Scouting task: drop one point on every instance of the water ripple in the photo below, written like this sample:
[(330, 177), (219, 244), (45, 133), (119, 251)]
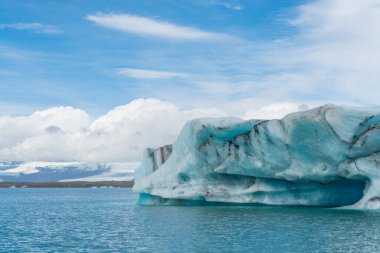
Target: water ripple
[(107, 220)]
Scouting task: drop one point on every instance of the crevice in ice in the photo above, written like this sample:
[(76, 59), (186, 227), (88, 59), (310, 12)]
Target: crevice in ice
[(365, 126), (159, 156)]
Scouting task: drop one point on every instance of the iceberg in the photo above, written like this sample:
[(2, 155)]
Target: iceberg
[(328, 156)]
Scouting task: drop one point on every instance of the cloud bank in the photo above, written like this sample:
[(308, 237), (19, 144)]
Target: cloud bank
[(69, 134)]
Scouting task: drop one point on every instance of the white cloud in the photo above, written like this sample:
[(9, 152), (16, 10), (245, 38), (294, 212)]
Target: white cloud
[(274, 111), (151, 27), (147, 74), (36, 27), (231, 6), (332, 56), (28, 138), (337, 50), (68, 134)]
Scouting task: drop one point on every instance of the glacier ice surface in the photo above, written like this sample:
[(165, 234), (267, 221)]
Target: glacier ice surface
[(328, 156)]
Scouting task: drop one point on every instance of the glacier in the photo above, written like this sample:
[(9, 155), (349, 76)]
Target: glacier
[(328, 156)]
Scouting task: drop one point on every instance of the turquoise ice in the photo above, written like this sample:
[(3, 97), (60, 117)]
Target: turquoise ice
[(328, 156)]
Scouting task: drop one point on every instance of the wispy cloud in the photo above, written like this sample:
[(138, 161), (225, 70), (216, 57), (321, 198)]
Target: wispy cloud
[(337, 49), (17, 54), (151, 27), (147, 74), (231, 6), (332, 57), (35, 27)]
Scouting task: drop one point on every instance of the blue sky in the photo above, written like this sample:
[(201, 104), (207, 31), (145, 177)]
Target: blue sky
[(106, 79), (232, 55), (52, 54)]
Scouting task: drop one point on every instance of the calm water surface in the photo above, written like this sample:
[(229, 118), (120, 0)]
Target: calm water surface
[(106, 220)]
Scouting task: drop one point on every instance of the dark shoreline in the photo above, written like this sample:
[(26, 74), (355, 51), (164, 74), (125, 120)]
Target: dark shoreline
[(72, 184)]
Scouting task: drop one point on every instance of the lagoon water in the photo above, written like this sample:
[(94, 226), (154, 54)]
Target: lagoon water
[(107, 220)]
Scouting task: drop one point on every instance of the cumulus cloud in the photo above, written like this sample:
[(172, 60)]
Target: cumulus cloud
[(147, 73), (151, 27), (15, 130), (36, 27), (68, 134)]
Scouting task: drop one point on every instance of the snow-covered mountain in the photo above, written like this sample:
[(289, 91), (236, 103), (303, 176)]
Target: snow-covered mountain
[(15, 171)]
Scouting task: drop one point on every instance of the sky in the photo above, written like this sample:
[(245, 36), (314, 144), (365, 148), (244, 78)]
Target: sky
[(105, 79)]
